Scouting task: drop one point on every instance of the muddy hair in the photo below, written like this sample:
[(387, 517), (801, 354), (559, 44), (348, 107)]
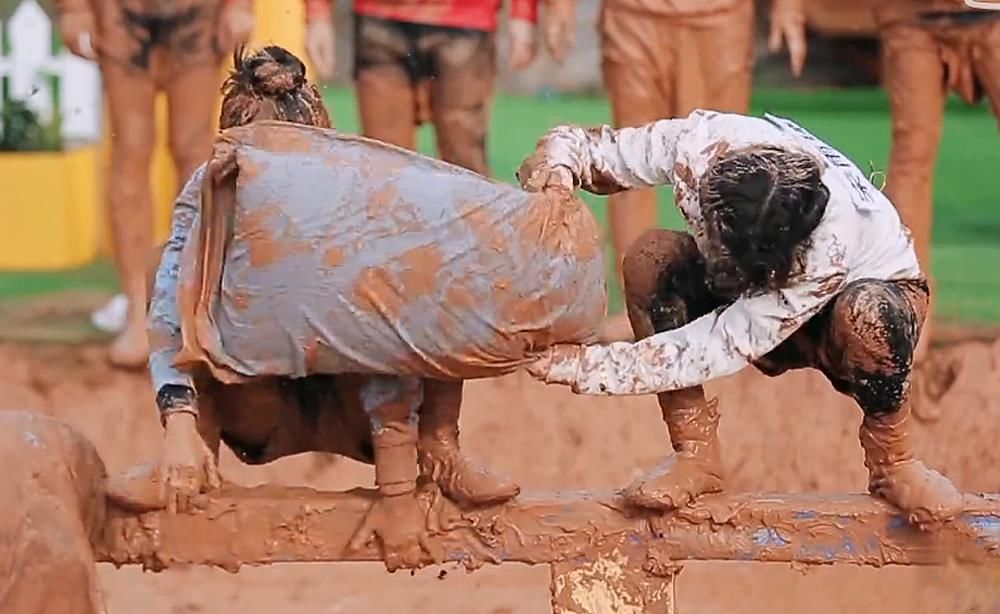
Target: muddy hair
[(270, 84), (760, 205)]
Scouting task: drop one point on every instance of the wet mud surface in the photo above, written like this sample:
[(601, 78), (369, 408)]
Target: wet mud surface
[(786, 434)]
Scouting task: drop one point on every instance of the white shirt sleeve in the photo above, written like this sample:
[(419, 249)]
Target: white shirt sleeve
[(604, 160), (715, 345), (163, 321)]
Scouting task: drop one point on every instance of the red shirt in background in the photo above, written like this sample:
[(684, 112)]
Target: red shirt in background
[(468, 14)]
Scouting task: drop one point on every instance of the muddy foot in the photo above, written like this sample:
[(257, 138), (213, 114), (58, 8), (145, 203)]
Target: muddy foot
[(461, 480), (674, 483), (130, 350), (924, 495)]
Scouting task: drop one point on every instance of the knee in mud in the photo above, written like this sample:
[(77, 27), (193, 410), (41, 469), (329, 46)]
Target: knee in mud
[(659, 269), (875, 330)]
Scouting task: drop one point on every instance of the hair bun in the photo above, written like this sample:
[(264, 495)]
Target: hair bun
[(279, 72)]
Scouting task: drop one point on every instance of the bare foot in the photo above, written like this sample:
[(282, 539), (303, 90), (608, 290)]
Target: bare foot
[(924, 495), (130, 350), (399, 524), (460, 479), (674, 483)]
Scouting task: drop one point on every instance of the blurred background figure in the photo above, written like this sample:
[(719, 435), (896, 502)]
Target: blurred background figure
[(928, 48), (435, 60), (142, 49), (665, 58)]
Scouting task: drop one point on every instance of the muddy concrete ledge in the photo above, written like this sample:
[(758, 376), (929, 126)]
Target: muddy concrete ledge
[(268, 525)]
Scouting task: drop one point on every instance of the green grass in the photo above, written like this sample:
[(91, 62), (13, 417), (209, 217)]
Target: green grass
[(967, 207)]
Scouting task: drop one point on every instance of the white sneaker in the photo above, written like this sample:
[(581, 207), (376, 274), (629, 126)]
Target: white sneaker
[(111, 317)]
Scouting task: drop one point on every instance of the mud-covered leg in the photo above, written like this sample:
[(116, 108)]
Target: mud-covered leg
[(914, 77), (385, 91), (869, 347), (397, 519), (130, 98), (191, 99), (461, 94), (632, 66), (664, 289), (441, 457)]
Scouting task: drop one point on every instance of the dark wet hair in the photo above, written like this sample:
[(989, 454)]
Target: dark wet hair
[(760, 206), (270, 84)]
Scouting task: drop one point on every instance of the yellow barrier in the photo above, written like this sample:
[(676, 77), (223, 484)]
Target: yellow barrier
[(48, 209)]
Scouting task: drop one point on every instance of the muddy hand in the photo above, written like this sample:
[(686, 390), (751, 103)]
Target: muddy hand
[(321, 47), (536, 175), (788, 26), (558, 365), (521, 35), (236, 24), (560, 35), (78, 32), (399, 524), (189, 466)]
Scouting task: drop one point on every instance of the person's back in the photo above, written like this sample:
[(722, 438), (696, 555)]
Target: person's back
[(384, 261)]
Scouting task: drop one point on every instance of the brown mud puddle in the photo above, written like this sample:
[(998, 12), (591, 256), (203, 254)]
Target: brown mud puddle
[(787, 434)]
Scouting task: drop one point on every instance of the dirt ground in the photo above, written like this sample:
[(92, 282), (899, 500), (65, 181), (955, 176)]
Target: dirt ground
[(786, 434)]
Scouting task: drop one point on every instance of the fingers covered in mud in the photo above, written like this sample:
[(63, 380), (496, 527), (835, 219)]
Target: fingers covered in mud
[(189, 467), (398, 525)]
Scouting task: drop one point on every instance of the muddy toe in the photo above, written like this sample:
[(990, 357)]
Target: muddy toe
[(924, 495)]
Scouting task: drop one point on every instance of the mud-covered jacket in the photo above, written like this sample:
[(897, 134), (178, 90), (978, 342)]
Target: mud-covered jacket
[(859, 237)]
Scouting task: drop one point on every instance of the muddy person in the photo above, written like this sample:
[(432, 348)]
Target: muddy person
[(792, 260), (144, 47), (392, 317), (663, 59), (434, 60), (930, 47)]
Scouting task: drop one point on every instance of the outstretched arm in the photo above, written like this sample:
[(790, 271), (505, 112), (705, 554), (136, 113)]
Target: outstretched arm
[(713, 346), (604, 160), (174, 388)]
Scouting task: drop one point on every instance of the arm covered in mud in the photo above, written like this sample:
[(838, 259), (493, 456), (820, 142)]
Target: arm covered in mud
[(604, 160), (715, 345), (172, 386)]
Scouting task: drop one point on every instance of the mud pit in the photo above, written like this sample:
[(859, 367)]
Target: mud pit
[(790, 434)]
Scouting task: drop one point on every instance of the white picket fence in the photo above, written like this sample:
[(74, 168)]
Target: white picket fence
[(30, 65)]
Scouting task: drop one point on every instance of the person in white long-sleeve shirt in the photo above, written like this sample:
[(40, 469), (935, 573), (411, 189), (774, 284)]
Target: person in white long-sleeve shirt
[(792, 260)]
